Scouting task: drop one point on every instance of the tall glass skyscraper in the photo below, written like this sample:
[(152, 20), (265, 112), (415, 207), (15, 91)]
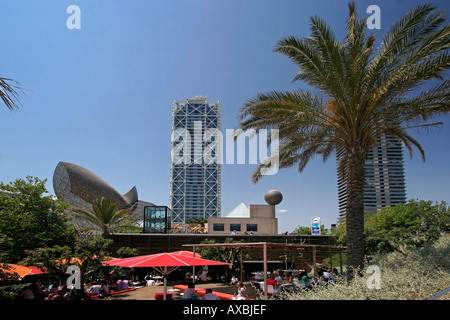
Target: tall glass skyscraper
[(195, 169), (385, 177)]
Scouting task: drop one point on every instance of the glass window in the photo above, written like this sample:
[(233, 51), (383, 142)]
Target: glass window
[(235, 227), (252, 227), (156, 219), (218, 227)]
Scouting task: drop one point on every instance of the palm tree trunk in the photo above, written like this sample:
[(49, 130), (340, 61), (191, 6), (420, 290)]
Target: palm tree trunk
[(355, 211)]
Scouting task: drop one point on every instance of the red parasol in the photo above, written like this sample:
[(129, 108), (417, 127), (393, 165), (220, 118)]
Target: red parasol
[(165, 263), (186, 254)]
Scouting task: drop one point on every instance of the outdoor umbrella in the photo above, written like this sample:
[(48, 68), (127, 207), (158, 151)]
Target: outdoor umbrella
[(186, 254), (23, 271), (164, 263)]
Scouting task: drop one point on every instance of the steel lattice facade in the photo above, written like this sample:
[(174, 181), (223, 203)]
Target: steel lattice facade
[(195, 185), (384, 177)]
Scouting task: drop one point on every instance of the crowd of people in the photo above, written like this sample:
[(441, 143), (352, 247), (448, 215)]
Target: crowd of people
[(90, 289), (277, 282), (190, 293), (37, 291), (285, 281)]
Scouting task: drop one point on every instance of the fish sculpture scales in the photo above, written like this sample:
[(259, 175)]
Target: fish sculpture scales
[(80, 187)]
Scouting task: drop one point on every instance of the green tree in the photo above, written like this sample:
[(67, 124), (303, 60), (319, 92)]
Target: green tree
[(30, 219), (86, 254), (362, 93), (7, 275), (415, 224), (339, 233), (200, 221), (104, 215), (302, 230), (126, 252), (307, 230)]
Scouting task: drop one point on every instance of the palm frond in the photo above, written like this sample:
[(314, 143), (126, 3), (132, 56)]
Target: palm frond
[(104, 214), (427, 105), (9, 93), (412, 40)]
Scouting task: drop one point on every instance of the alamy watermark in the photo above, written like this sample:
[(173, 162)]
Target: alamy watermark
[(374, 280), (374, 20), (73, 22), (74, 279), (206, 147)]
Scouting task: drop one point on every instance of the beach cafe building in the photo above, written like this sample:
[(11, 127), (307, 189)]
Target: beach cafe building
[(307, 252)]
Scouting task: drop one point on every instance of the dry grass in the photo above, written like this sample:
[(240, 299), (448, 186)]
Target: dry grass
[(418, 276)]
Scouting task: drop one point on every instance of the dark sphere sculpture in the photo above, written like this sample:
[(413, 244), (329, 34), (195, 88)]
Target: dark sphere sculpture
[(273, 197)]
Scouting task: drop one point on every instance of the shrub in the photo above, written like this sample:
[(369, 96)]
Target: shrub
[(418, 275), (12, 291)]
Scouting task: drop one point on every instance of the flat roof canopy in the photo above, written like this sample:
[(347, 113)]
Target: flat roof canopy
[(267, 244)]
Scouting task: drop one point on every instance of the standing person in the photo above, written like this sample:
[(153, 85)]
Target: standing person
[(204, 275), (241, 293)]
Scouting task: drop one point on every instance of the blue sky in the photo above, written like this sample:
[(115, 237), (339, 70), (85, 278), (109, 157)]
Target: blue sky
[(101, 96)]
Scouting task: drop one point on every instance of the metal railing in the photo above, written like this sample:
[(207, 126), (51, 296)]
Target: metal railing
[(439, 294)]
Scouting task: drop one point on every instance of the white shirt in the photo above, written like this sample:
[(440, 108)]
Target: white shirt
[(95, 289), (327, 275)]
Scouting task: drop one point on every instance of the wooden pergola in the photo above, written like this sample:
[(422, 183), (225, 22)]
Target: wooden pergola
[(265, 246)]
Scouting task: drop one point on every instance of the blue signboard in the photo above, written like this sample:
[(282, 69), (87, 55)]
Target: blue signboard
[(315, 226)]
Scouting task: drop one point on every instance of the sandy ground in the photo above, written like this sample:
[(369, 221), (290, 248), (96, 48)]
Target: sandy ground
[(148, 293)]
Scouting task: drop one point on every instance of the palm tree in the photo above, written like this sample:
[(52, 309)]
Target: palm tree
[(362, 93), (104, 215), (9, 94)]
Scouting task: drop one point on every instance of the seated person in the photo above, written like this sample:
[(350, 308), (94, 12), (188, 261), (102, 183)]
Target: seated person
[(272, 282), (306, 280), (189, 293), (94, 289), (125, 285), (210, 296), (122, 285), (234, 280), (242, 292), (325, 276)]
